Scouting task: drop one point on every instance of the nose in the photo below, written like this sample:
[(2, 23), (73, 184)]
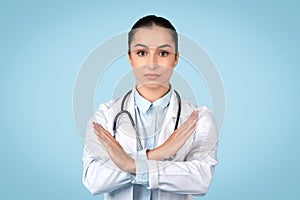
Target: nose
[(152, 62)]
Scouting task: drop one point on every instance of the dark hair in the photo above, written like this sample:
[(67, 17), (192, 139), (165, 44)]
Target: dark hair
[(151, 21)]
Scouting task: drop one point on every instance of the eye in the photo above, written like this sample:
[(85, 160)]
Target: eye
[(164, 53), (141, 53)]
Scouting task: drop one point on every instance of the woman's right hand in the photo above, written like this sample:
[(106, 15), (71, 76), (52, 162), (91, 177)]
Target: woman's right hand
[(172, 145)]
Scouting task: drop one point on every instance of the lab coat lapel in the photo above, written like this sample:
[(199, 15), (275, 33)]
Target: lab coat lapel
[(169, 121), (126, 134), (130, 105), (130, 136)]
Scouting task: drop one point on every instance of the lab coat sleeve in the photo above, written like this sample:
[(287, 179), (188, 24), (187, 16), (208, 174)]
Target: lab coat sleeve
[(141, 177), (193, 174), (100, 174)]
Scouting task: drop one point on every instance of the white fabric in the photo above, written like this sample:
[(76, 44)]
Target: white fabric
[(189, 173)]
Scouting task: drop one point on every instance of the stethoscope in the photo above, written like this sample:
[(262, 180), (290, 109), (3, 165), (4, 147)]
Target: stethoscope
[(139, 143)]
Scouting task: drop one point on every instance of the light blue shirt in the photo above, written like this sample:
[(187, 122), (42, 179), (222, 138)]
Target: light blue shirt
[(149, 118)]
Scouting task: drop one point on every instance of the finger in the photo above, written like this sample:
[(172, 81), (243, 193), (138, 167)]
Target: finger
[(193, 117), (112, 146), (100, 133), (194, 114), (96, 126), (190, 125), (110, 137), (193, 122), (107, 137), (190, 129), (185, 124), (100, 128), (104, 131), (104, 137), (100, 137)]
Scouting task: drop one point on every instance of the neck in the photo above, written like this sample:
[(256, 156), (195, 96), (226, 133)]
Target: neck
[(152, 94)]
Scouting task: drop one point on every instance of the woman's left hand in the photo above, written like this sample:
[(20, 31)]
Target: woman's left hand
[(114, 149)]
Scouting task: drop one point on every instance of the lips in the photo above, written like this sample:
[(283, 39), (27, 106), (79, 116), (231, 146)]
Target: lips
[(152, 76)]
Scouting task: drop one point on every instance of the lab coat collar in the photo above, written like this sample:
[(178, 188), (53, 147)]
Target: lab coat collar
[(172, 110), (144, 105)]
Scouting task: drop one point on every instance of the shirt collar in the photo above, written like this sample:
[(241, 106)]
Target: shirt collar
[(144, 105)]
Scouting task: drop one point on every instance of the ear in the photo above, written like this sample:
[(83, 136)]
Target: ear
[(176, 59), (129, 57)]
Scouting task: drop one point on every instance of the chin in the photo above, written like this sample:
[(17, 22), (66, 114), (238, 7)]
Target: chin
[(153, 85)]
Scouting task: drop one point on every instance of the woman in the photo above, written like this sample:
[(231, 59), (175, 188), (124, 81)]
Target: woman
[(147, 158)]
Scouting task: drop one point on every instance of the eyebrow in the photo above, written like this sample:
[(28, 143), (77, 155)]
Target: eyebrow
[(164, 45), (140, 45), (160, 46)]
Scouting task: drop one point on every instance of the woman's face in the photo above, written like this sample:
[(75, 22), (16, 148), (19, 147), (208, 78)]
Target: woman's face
[(152, 57)]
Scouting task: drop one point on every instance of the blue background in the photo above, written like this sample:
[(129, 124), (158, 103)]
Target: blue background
[(255, 46)]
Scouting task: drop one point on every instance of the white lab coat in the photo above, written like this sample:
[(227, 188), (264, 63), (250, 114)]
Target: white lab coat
[(189, 173)]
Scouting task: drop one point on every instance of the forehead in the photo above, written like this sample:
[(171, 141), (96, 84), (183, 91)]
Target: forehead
[(153, 37)]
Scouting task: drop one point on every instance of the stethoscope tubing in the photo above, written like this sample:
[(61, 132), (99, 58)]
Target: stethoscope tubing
[(132, 121)]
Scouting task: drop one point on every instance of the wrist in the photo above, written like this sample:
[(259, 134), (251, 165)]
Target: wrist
[(154, 154), (132, 167)]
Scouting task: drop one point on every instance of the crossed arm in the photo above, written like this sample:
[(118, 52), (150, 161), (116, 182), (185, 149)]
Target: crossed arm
[(169, 148), (195, 170)]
